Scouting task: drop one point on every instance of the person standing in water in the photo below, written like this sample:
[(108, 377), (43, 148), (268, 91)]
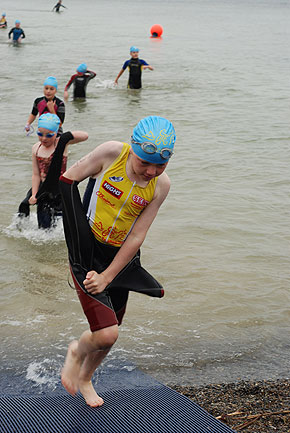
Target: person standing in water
[(58, 6), (49, 103), (136, 66), (127, 185), (80, 81), (17, 33), (3, 22), (49, 159)]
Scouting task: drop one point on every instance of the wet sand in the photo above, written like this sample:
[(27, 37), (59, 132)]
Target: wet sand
[(249, 407)]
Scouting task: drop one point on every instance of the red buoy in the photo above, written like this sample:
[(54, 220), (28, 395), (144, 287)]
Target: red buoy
[(156, 31)]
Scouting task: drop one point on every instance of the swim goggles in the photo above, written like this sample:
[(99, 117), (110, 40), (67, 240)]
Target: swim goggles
[(48, 135), (151, 148), (30, 131)]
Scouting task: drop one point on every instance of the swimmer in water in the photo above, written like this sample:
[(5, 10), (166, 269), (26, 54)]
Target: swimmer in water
[(3, 22), (17, 32), (127, 185), (58, 6), (136, 66), (49, 159), (80, 81), (48, 103)]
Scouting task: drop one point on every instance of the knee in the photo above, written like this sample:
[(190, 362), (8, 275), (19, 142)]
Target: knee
[(107, 337)]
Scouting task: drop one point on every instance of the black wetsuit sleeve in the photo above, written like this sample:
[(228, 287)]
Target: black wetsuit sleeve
[(11, 31), (60, 110), (71, 80), (92, 74), (34, 110), (23, 35)]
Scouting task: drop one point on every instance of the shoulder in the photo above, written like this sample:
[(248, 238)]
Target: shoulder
[(110, 149), (35, 147), (143, 62), (58, 101), (126, 63), (162, 187), (37, 100)]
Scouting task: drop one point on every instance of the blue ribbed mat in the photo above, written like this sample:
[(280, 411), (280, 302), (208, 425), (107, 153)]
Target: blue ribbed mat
[(134, 403), (146, 410)]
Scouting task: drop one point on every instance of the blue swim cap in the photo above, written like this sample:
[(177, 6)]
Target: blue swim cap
[(50, 81), (82, 68), (157, 137), (49, 121), (4, 14), (17, 22), (135, 49)]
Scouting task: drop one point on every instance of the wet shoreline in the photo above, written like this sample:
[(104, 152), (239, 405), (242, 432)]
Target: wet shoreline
[(247, 406)]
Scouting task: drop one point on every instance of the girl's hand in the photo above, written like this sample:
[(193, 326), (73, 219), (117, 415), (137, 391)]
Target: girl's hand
[(32, 200), (95, 283)]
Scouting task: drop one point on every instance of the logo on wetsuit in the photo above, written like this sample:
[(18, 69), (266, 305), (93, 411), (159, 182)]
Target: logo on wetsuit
[(139, 200), (112, 190), (116, 178)]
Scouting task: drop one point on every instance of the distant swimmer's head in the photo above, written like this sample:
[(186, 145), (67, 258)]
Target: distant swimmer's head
[(48, 121), (134, 52), (4, 14), (153, 140), (82, 68), (17, 23)]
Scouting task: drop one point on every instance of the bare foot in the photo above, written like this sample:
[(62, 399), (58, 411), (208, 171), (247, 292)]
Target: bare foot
[(71, 369), (90, 395)]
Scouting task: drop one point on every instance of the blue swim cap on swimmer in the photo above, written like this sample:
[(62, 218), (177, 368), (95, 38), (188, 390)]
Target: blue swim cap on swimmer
[(49, 121), (157, 137), (4, 14), (82, 68), (134, 49), (17, 22), (51, 81)]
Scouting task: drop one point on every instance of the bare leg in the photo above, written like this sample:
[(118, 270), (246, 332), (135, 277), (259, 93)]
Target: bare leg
[(83, 357), (89, 366)]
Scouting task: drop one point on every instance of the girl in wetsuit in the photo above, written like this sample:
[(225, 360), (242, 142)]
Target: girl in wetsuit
[(49, 159)]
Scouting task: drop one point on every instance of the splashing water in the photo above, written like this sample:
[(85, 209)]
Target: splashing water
[(105, 84), (43, 373), (28, 228)]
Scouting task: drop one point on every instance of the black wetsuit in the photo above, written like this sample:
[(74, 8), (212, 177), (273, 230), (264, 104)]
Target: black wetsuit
[(80, 83), (135, 72), (40, 107), (86, 253)]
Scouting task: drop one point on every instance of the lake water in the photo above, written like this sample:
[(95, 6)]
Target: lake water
[(220, 244)]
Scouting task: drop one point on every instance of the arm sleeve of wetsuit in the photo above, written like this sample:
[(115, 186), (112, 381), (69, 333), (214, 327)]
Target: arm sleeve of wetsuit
[(78, 235), (92, 74), (34, 110), (23, 35), (125, 64), (61, 111), (143, 62), (70, 82), (11, 31)]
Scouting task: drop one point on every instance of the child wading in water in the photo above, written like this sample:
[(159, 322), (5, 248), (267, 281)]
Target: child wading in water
[(49, 159), (49, 103)]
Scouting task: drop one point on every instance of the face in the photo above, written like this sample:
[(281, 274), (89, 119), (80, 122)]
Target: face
[(48, 137), (146, 170), (17, 25), (134, 54), (49, 92)]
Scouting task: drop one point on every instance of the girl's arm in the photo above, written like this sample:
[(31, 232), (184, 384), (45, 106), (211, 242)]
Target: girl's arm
[(35, 179)]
